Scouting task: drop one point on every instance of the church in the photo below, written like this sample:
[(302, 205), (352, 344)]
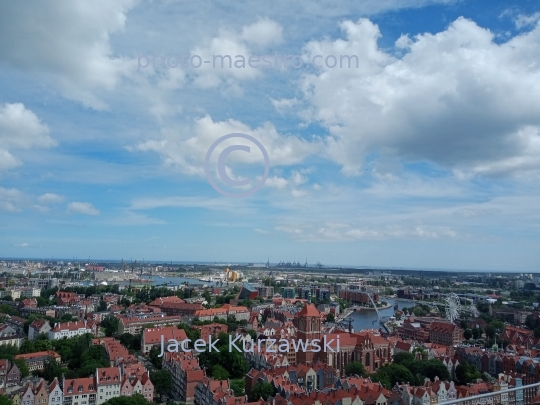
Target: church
[(367, 347)]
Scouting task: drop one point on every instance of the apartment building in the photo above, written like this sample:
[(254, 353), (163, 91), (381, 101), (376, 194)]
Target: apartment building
[(37, 327), (35, 361), (108, 382), (70, 329), (154, 336), (79, 391), (186, 374)]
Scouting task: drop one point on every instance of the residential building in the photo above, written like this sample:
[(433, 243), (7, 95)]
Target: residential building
[(134, 325), (265, 291), (30, 292), (238, 312), (445, 333), (10, 374), (37, 327), (154, 336), (212, 329), (70, 329), (41, 393), (288, 292), (28, 397), (108, 383), (56, 396), (186, 374), (35, 361), (79, 391)]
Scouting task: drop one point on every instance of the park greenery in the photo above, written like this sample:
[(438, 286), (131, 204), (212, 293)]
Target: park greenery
[(77, 353), (231, 361), (135, 399), (262, 390), (410, 367)]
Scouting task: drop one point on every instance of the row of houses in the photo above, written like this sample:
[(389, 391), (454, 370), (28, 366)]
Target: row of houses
[(107, 383)]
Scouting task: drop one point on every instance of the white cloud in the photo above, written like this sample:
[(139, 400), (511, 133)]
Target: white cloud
[(20, 128), (261, 231), (67, 42), (340, 232), (50, 198), (285, 104), (264, 32), (11, 199), (187, 150), (524, 20), (456, 98), (81, 208)]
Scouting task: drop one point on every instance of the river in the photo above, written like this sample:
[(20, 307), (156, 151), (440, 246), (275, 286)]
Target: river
[(364, 319)]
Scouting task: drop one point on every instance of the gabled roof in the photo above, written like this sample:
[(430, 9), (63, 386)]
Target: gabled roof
[(309, 310)]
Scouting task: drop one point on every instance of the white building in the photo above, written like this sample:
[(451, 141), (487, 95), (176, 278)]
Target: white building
[(56, 396), (30, 292), (108, 383), (70, 329)]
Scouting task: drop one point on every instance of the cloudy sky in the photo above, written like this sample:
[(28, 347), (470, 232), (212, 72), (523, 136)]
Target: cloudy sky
[(423, 153)]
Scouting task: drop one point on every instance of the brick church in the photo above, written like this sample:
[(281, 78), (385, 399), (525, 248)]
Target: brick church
[(367, 347)]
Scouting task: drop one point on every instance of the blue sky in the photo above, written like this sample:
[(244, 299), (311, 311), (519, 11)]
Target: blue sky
[(425, 155)]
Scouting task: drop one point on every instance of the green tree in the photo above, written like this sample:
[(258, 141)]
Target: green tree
[(219, 373), (403, 358), (135, 399), (391, 374), (23, 367), (261, 390), (32, 346), (466, 373), (231, 360), (8, 352), (5, 400), (238, 387), (67, 318), (468, 334), (162, 381), (51, 369), (476, 333), (102, 306), (355, 368), (530, 322), (132, 342), (111, 325), (330, 317), (154, 357), (6, 309)]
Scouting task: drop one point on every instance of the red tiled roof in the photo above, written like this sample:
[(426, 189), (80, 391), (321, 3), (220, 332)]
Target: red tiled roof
[(309, 310), (153, 335), (37, 355), (79, 386), (108, 375)]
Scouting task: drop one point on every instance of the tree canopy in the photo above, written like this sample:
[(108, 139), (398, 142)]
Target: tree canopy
[(135, 399), (261, 390), (355, 368), (162, 380)]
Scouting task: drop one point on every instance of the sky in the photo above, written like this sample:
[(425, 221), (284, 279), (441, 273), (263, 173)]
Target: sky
[(423, 152)]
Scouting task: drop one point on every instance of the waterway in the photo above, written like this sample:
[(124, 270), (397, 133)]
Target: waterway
[(158, 281), (365, 319)]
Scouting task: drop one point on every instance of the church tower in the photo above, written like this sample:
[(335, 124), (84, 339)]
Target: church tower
[(308, 327)]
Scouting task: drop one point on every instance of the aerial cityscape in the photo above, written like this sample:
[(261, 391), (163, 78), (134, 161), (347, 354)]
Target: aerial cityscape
[(217, 202), (104, 332)]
